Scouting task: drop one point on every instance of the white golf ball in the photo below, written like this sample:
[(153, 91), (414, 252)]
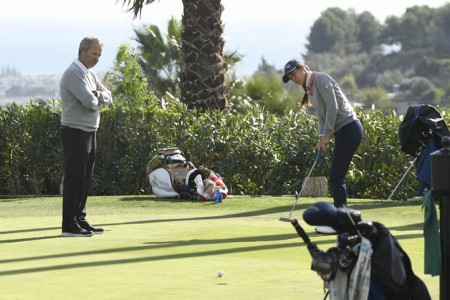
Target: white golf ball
[(220, 273)]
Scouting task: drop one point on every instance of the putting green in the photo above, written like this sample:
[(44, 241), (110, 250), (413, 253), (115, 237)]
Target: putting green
[(173, 249)]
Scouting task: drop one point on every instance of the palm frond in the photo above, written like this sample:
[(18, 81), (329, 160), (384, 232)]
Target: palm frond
[(135, 6)]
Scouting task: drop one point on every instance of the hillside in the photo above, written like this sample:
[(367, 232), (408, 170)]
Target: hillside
[(20, 89)]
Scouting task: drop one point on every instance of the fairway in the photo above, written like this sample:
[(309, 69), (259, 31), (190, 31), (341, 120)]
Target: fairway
[(173, 249)]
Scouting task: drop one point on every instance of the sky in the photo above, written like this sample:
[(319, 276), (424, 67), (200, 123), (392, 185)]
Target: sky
[(42, 37)]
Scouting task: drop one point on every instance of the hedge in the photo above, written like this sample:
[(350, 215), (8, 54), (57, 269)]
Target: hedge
[(257, 152)]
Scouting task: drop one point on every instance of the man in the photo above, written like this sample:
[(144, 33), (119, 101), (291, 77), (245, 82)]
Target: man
[(82, 97)]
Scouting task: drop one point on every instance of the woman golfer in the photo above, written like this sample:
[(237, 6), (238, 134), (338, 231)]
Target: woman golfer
[(336, 117)]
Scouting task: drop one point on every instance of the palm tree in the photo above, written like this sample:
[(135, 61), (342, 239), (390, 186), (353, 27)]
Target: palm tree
[(160, 59), (202, 79)]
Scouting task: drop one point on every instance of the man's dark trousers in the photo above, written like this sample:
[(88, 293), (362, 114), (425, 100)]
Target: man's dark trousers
[(79, 159)]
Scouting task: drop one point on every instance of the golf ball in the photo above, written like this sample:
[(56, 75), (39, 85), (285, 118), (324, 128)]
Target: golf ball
[(220, 273)]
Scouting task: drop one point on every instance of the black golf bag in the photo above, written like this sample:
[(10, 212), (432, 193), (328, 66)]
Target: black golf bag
[(367, 263), (420, 135)]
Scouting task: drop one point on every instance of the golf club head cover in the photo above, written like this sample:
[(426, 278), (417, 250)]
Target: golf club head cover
[(348, 218), (369, 231), (322, 213)]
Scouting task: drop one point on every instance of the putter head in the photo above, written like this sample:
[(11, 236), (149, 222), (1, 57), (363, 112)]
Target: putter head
[(286, 219)]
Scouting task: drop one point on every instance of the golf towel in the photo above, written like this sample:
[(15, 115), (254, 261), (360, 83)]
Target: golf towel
[(433, 259), (359, 282), (358, 285), (338, 286)]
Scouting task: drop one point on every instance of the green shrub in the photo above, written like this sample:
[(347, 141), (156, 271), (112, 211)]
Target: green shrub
[(30, 155), (256, 152), (380, 163)]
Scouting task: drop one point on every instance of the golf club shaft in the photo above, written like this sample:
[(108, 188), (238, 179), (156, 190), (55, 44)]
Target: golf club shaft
[(403, 177), (304, 183), (301, 232)]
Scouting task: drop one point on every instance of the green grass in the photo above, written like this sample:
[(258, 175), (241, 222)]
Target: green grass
[(170, 249)]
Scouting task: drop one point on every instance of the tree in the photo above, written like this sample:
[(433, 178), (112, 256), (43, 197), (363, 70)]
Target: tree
[(129, 83), (416, 29), (15, 91), (202, 78), (376, 98), (265, 89), (344, 32), (420, 88), (160, 58), (443, 30), (336, 30), (350, 87), (369, 31)]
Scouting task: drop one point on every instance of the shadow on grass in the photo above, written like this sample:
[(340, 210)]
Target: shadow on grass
[(153, 198), (30, 230), (416, 226), (225, 249), (161, 245), (284, 210), (31, 239), (11, 200), (166, 244), (179, 243), (269, 211), (367, 205), (281, 210)]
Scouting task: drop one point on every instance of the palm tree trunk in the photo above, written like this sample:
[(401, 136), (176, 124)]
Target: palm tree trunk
[(202, 80)]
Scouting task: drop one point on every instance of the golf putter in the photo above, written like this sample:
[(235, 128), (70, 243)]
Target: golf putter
[(403, 177), (289, 219)]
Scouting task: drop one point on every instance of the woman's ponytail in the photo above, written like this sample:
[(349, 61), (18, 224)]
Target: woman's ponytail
[(305, 99)]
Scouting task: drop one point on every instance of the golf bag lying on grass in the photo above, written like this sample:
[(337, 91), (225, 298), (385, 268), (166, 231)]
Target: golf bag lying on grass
[(420, 134), (172, 176), (367, 263)]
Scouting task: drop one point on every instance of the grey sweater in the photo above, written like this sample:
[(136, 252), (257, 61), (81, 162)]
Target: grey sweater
[(332, 106), (80, 107)]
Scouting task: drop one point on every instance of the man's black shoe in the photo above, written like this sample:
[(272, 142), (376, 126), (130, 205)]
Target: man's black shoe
[(76, 231), (85, 225)]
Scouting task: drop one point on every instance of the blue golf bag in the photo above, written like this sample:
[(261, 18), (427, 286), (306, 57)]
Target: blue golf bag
[(420, 135)]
